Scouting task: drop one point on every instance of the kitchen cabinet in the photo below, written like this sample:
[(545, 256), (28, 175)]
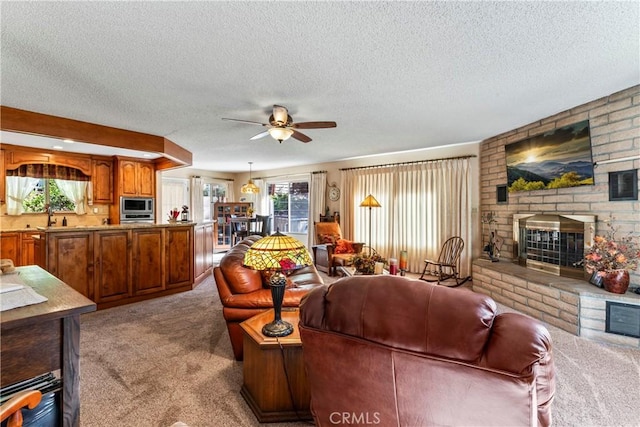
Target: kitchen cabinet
[(3, 179), (27, 254), (10, 246), (102, 181), (203, 251), (148, 253), (112, 265), (70, 259), (179, 252), (133, 178), (222, 213), (136, 178), (119, 264)]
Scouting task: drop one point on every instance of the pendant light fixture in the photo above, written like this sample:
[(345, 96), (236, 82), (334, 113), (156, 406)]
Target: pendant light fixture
[(250, 187)]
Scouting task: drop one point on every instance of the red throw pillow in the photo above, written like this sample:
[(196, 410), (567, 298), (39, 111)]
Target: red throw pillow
[(344, 247)]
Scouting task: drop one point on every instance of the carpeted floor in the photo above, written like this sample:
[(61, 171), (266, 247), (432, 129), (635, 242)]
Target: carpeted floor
[(169, 359)]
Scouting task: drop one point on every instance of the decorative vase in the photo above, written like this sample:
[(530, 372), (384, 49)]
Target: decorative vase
[(616, 281)]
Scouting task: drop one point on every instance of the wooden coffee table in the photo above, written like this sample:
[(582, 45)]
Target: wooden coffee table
[(275, 384)]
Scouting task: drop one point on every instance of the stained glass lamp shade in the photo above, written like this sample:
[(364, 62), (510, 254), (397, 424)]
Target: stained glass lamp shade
[(277, 253)]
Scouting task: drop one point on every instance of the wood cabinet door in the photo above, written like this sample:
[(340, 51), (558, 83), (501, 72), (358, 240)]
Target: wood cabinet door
[(179, 256), (27, 254), (199, 251), (10, 247), (208, 246), (128, 178), (102, 181), (112, 265), (71, 260), (146, 179), (3, 175), (147, 261)]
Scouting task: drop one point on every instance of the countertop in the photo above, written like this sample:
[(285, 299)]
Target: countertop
[(60, 229)]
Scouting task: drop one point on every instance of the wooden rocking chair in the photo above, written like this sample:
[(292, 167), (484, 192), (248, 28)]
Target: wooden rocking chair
[(446, 267)]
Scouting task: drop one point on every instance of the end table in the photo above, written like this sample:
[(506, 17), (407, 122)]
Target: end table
[(275, 384)]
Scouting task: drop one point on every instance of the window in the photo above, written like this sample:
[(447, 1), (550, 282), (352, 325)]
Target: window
[(290, 206), (47, 192)]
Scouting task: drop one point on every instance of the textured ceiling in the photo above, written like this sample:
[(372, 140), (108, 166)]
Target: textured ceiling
[(393, 75)]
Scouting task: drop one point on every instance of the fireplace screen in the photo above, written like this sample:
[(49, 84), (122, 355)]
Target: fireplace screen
[(552, 243)]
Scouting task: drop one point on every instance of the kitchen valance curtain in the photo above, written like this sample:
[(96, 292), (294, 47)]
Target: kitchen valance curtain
[(49, 171)]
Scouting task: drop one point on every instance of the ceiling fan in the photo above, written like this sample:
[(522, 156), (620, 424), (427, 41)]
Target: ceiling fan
[(281, 126)]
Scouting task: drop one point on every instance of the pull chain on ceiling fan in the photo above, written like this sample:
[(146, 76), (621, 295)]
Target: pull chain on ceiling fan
[(281, 126)]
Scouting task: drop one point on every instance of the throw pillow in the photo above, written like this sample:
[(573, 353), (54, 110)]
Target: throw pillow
[(344, 246), (324, 239)]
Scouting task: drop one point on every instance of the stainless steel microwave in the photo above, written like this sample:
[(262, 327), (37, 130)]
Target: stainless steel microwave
[(132, 208)]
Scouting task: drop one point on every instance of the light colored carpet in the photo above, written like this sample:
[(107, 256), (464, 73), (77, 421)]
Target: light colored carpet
[(169, 359)]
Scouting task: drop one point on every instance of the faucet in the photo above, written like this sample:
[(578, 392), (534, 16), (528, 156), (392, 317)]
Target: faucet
[(49, 215)]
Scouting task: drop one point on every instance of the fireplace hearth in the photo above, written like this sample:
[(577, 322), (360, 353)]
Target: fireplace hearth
[(553, 243)]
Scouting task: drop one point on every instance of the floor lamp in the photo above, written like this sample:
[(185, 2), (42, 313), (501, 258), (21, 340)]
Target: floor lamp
[(370, 202)]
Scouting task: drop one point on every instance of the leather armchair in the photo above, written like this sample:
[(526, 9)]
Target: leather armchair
[(325, 252), (244, 293), (397, 351)]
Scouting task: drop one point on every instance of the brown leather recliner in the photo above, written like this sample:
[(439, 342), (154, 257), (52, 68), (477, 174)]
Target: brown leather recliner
[(244, 294), (389, 350)]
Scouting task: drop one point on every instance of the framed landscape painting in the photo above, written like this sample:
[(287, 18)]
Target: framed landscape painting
[(555, 159)]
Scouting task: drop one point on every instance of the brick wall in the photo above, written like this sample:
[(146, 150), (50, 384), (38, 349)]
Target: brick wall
[(615, 133)]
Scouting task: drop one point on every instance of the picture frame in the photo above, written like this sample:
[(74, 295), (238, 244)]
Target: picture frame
[(623, 185), (557, 158)]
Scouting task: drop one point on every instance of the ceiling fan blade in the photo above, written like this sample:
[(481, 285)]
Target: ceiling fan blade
[(246, 121), (300, 136), (280, 114), (260, 135), (313, 125)]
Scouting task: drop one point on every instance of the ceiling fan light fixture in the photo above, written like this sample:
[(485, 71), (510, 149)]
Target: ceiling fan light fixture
[(250, 187), (281, 134)]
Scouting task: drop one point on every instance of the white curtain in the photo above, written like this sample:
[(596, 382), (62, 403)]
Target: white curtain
[(18, 188), (230, 194), (316, 201), (175, 194), (76, 192), (196, 213), (422, 205)]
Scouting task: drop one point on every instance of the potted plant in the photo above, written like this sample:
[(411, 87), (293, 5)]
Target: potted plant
[(365, 263), (610, 259)]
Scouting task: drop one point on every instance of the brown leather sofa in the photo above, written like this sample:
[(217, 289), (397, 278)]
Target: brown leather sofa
[(244, 293), (388, 350)]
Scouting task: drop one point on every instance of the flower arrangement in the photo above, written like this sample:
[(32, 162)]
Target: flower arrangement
[(608, 253), (173, 215), (365, 263), (250, 211)]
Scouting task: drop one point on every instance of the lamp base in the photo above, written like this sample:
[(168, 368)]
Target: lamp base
[(277, 328)]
